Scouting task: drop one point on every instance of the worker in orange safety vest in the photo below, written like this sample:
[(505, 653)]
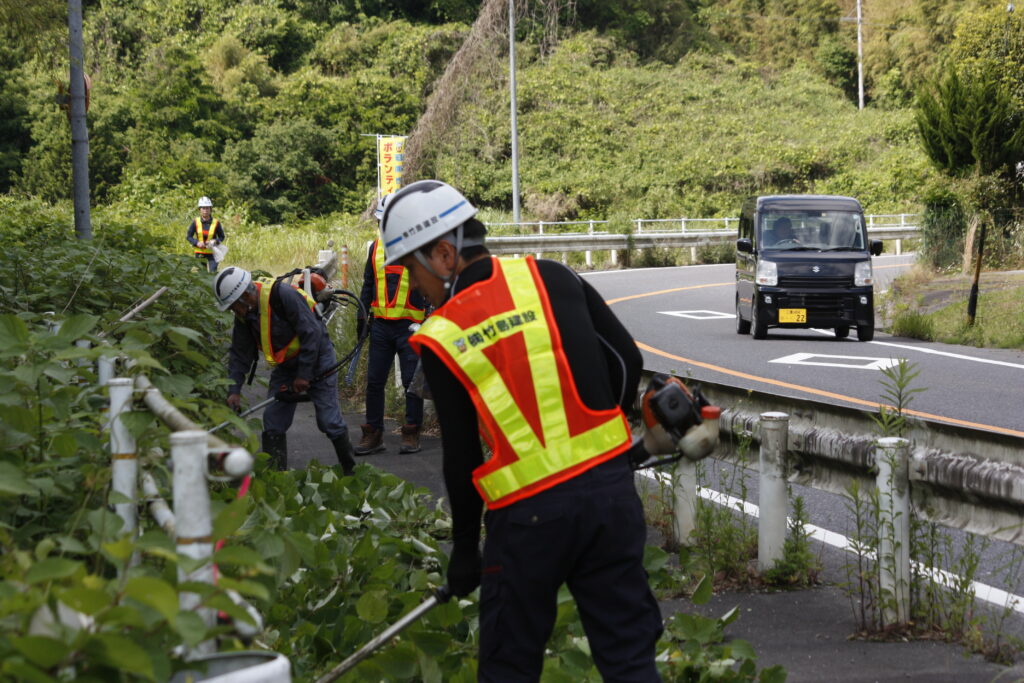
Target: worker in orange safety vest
[(204, 233), (526, 354)]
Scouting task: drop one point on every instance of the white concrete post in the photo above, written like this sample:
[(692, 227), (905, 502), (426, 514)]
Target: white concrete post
[(540, 231), (192, 519), (899, 247), (892, 462), (684, 500), (639, 226), (104, 369), (615, 257), (124, 461), (773, 501), (590, 231)]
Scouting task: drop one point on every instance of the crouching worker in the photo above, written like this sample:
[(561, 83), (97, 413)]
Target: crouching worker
[(280, 321), (528, 355)]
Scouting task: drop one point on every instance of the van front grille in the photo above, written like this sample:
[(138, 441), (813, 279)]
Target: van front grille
[(813, 281)]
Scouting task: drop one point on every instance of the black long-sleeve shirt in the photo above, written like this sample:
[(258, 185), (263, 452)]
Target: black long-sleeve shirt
[(218, 235), (290, 316), (603, 358), (369, 290)]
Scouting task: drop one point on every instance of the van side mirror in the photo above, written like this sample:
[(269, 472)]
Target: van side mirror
[(876, 247), (744, 244)]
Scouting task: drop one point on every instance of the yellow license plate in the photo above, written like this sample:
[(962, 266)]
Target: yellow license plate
[(792, 315)]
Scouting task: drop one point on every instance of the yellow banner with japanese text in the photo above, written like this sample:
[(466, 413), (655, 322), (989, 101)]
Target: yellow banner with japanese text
[(390, 163)]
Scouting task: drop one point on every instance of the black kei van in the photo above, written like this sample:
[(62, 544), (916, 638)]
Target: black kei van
[(804, 261)]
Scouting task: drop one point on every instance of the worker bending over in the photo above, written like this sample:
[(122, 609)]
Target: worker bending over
[(280, 320), (526, 354)]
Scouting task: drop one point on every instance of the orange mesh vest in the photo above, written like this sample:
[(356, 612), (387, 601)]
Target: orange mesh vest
[(205, 236), (396, 308), (264, 287), (499, 338)]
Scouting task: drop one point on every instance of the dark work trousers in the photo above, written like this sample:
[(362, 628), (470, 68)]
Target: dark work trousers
[(211, 263), (588, 532), (388, 337), (277, 417)]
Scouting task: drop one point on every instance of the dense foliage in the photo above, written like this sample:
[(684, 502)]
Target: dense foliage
[(639, 108)]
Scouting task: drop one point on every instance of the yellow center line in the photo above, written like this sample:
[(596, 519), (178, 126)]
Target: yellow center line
[(826, 394), (666, 291)]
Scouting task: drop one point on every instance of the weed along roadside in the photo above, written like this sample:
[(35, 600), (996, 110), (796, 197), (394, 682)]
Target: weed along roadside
[(898, 578)]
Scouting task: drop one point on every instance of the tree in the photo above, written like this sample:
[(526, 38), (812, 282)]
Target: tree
[(970, 126)]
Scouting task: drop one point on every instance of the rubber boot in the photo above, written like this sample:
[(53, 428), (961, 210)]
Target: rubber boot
[(276, 446), (343, 449), (372, 441), (410, 439)]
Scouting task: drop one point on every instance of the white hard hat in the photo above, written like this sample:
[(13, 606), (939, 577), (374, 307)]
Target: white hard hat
[(205, 201), (418, 214), (229, 285), (378, 213)]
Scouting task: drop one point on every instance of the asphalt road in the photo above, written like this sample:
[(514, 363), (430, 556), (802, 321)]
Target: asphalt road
[(683, 320)]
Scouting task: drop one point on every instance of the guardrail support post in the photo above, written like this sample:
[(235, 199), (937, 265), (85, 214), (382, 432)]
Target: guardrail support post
[(192, 520), (590, 231), (104, 369), (899, 247), (124, 461), (684, 500), (773, 501), (892, 462)]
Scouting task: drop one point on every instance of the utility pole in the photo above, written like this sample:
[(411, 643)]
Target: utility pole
[(512, 91), (860, 58), (79, 131), (972, 299)]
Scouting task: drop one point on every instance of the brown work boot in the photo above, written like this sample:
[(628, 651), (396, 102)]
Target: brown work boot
[(372, 441), (410, 439)]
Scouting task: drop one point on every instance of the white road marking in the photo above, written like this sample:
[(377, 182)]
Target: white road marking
[(935, 352), (699, 315), (982, 591), (856, 362)]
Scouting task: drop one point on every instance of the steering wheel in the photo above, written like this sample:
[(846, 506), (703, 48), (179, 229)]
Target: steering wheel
[(790, 241)]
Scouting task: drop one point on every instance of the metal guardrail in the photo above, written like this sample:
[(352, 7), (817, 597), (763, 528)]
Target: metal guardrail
[(959, 477), (691, 232)]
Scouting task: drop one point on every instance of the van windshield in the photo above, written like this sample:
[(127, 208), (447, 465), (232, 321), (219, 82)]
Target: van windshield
[(809, 230)]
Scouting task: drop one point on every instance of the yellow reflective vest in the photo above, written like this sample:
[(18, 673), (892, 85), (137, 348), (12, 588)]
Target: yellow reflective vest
[(399, 307), (499, 338), (273, 358), (205, 235)]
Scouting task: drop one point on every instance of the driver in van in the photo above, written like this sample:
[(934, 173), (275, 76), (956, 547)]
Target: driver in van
[(782, 231)]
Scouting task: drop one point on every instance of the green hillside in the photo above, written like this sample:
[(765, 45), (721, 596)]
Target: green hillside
[(641, 108)]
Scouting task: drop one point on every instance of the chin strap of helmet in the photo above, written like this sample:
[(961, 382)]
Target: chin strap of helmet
[(460, 242)]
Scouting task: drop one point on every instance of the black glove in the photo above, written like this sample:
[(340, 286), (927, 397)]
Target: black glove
[(464, 568)]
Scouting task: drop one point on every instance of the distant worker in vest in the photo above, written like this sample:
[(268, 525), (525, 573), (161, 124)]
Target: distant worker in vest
[(527, 355), (279, 321), (395, 308), (204, 233)]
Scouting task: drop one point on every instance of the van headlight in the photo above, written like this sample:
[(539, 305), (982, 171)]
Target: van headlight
[(862, 275), (768, 273)]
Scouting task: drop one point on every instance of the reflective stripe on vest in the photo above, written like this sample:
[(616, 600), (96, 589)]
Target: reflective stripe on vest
[(499, 338), (400, 307), (209, 235), (292, 349)]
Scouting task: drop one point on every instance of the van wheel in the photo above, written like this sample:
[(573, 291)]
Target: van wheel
[(842, 332), (760, 328), (865, 332), (742, 326)]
